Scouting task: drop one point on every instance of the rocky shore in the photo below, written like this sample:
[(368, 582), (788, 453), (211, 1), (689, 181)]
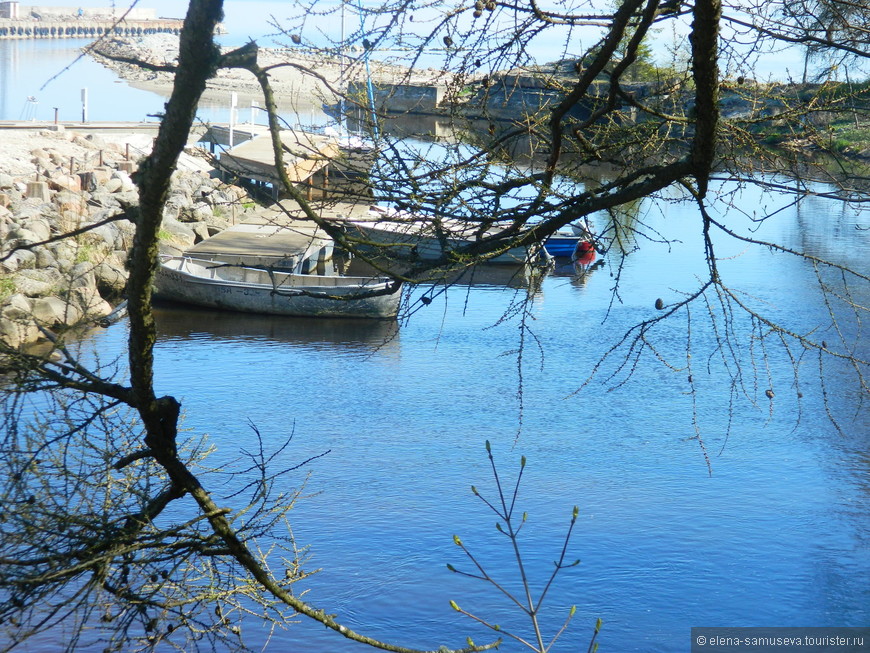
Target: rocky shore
[(299, 80), (55, 182)]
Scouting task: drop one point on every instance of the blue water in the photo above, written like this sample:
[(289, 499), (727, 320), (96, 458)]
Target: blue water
[(52, 73), (776, 535)]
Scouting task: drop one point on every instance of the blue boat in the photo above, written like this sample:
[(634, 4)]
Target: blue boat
[(562, 245)]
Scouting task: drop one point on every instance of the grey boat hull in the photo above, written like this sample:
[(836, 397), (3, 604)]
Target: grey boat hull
[(213, 284)]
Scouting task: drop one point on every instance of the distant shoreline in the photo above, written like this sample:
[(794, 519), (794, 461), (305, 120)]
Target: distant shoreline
[(299, 80)]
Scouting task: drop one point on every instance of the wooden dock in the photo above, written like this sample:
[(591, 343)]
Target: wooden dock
[(305, 154), (276, 236)]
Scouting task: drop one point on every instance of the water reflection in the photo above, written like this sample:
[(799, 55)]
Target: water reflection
[(497, 276), (175, 322), (51, 72), (578, 271)]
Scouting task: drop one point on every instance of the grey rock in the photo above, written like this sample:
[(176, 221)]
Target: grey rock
[(17, 307), (114, 185), (37, 282), (34, 208), (21, 236), (64, 254), (127, 184), (82, 276), (129, 197), (40, 227), (200, 230), (16, 325), (53, 311), (20, 259), (180, 234), (103, 199), (31, 287), (45, 258), (201, 212), (90, 303), (108, 235), (111, 278)]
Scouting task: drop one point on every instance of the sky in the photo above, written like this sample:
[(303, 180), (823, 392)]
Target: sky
[(250, 20)]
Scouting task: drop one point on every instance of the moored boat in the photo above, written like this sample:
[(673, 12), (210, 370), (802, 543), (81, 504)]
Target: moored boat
[(575, 243), (401, 235), (248, 289), (562, 244)]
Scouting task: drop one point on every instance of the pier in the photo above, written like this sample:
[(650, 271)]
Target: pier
[(19, 21), (85, 28), (305, 154)]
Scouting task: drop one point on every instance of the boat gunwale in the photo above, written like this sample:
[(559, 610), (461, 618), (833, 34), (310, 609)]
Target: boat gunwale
[(364, 284)]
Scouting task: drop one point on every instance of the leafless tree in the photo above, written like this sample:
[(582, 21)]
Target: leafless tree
[(88, 535)]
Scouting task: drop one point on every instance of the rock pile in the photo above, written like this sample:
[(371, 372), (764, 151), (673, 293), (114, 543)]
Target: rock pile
[(58, 183), (299, 78)]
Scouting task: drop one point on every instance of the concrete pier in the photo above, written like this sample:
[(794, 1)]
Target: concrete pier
[(84, 28)]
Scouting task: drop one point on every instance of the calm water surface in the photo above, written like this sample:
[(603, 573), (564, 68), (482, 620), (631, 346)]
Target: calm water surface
[(777, 535), (37, 76)]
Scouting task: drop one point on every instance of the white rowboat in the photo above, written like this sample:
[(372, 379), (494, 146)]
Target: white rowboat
[(261, 290)]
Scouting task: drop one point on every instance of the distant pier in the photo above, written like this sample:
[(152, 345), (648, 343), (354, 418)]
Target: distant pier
[(84, 28)]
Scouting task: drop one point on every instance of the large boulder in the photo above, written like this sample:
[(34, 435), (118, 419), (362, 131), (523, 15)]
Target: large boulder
[(37, 282), (54, 311), (127, 184), (199, 212), (61, 181), (19, 259), (82, 276), (18, 236), (66, 200), (111, 278), (34, 207), (103, 199), (40, 227), (90, 303), (114, 185), (64, 253), (45, 258), (16, 325), (177, 234)]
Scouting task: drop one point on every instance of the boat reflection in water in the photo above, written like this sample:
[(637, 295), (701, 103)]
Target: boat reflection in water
[(524, 276), (578, 267), (175, 322)]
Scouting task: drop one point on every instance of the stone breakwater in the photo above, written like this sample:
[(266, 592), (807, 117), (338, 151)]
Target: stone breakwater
[(56, 182), (298, 78)]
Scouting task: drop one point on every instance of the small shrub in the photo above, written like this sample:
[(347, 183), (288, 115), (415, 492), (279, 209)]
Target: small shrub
[(7, 288)]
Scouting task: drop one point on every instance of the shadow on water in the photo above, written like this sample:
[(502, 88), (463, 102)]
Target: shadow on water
[(497, 276), (177, 322)]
